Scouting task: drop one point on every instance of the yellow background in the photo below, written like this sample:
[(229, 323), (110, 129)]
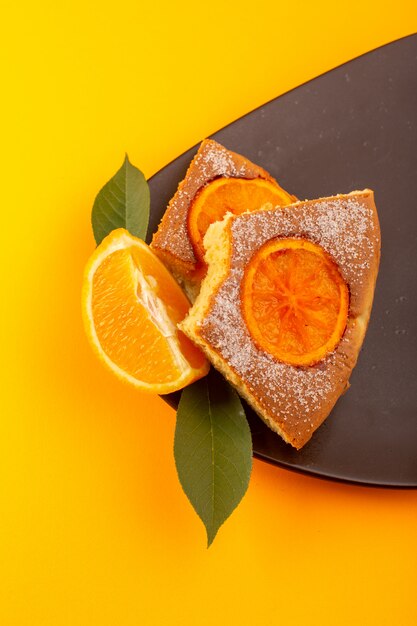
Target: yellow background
[(94, 528)]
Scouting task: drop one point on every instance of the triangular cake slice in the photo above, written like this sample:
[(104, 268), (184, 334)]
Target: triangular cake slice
[(292, 400), (172, 241)]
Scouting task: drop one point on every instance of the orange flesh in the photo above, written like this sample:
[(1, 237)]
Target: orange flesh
[(128, 287), (295, 301), (235, 195)]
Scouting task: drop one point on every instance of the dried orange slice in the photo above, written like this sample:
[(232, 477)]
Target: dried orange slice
[(295, 302), (236, 195), (131, 308)]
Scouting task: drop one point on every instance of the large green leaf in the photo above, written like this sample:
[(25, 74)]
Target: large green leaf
[(213, 449), (123, 202)]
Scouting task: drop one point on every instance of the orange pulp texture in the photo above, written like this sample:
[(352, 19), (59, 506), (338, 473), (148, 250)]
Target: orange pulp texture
[(235, 195), (131, 306), (295, 301)]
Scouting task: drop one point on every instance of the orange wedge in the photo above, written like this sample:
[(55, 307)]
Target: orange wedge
[(131, 307), (235, 195), (295, 302)]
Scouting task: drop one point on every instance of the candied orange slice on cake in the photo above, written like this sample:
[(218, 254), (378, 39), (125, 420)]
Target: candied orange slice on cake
[(131, 308), (234, 195), (295, 301), (217, 180)]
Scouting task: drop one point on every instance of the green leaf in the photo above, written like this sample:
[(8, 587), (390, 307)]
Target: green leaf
[(123, 202), (213, 450)]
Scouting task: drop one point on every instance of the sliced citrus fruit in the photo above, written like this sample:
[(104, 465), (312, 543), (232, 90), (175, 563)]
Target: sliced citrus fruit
[(131, 308), (295, 302), (236, 195)]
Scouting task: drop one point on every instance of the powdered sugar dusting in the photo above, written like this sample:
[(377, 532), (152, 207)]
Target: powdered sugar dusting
[(285, 389), (216, 162), (343, 226), (346, 228)]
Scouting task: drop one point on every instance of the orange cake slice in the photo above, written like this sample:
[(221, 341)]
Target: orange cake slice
[(285, 304), (217, 181)]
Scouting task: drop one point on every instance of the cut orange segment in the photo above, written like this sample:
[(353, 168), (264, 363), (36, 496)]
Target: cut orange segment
[(131, 308), (235, 195), (295, 302)]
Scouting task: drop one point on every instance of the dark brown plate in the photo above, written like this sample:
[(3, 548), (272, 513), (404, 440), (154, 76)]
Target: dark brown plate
[(351, 128)]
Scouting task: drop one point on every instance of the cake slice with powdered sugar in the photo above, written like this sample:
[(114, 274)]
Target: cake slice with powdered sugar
[(292, 400), (173, 241)]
